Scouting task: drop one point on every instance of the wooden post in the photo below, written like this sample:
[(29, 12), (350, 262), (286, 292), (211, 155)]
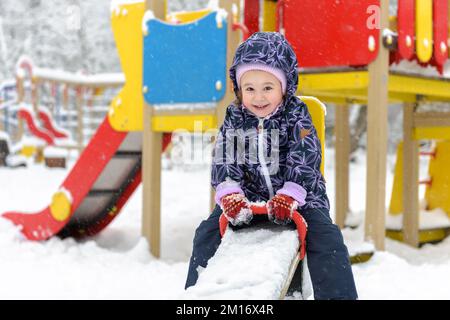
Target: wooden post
[(342, 156), (20, 85), (212, 193), (377, 139), (2, 126), (234, 38), (65, 97), (35, 83), (410, 178), (79, 107), (90, 107), (151, 164)]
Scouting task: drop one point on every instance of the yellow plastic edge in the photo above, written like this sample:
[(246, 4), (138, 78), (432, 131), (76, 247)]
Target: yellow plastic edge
[(317, 110), (126, 109), (424, 29)]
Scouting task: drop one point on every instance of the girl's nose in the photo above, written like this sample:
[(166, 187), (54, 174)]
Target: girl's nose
[(259, 96)]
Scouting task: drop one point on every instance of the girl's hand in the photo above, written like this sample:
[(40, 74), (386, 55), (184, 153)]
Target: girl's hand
[(280, 208), (236, 209)]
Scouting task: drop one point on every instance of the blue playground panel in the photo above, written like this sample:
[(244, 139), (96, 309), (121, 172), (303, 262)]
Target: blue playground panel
[(184, 63)]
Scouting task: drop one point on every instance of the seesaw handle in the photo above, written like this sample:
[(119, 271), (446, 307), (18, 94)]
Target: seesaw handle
[(262, 210)]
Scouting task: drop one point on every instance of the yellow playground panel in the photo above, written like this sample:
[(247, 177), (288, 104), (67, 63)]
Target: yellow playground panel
[(126, 109), (437, 191), (269, 13), (437, 194), (348, 85), (28, 151), (318, 112), (424, 29), (187, 16)]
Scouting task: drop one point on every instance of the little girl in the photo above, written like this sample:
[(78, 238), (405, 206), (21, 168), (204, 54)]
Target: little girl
[(268, 150)]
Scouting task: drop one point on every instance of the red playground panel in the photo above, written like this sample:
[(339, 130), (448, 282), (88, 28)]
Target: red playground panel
[(251, 16), (332, 33), (440, 32), (406, 18)]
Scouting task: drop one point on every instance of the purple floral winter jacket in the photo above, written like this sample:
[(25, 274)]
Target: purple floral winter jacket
[(279, 153)]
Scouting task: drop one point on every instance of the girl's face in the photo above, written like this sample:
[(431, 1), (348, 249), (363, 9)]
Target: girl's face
[(261, 92)]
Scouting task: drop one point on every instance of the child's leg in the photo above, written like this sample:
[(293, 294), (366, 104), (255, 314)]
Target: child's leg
[(206, 241), (328, 259)]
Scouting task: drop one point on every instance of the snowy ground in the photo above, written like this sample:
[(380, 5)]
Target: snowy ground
[(116, 264)]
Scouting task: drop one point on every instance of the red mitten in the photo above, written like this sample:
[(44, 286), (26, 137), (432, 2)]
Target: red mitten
[(280, 208), (236, 208)]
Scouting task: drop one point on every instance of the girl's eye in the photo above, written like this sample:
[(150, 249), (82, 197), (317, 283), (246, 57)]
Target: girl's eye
[(268, 88), (248, 89)]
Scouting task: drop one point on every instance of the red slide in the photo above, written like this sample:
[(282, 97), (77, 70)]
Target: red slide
[(49, 125), (41, 133), (92, 195), (104, 177)]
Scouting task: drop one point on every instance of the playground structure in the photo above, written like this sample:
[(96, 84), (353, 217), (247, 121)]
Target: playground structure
[(339, 65), (436, 193), (111, 163), (351, 65), (360, 73), (9, 156), (8, 94), (54, 106)]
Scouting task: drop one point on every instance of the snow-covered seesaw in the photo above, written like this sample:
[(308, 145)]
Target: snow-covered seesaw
[(259, 261)]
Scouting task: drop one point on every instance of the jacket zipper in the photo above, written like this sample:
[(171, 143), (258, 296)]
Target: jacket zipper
[(261, 158)]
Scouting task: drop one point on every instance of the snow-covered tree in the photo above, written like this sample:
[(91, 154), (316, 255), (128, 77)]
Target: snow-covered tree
[(72, 35), (186, 5)]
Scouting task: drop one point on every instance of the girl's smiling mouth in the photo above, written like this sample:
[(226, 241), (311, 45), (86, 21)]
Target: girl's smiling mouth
[(261, 107)]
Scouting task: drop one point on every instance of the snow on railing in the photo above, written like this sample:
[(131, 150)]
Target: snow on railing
[(105, 79)]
